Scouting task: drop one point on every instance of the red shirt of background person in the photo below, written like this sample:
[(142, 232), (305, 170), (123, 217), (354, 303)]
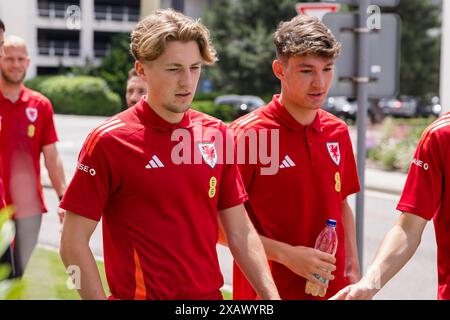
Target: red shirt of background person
[(2, 191), (27, 131), (426, 196), (315, 173), (160, 216)]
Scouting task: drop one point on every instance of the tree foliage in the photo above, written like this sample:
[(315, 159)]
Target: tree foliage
[(420, 49), (114, 67), (242, 33)]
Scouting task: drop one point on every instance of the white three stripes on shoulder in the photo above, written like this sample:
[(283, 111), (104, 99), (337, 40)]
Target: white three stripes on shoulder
[(154, 163)]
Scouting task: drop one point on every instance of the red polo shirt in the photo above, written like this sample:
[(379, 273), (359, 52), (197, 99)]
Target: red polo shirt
[(27, 126), (2, 191), (160, 223), (427, 192), (316, 171)]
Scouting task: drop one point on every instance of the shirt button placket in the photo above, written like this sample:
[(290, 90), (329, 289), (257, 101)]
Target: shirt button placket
[(308, 143)]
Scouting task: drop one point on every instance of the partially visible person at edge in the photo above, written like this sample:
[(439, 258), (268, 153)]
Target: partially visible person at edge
[(160, 216), (136, 88), (2, 191), (316, 170), (426, 196), (27, 131)]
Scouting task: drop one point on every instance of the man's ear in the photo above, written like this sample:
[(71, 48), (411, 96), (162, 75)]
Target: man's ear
[(278, 69), (139, 67)]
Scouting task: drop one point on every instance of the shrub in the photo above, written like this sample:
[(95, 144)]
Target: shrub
[(81, 95), (399, 139)]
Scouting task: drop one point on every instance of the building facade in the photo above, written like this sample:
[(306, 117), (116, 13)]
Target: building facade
[(66, 33)]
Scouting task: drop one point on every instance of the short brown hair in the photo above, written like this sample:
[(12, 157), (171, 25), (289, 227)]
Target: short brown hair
[(149, 37), (305, 35)]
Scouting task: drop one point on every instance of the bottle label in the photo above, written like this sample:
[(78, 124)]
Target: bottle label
[(324, 281)]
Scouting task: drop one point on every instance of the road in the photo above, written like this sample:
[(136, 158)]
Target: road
[(418, 280)]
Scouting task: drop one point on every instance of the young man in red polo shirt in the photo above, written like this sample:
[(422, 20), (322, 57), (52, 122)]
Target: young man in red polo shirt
[(315, 167), (27, 131), (426, 196), (160, 210)]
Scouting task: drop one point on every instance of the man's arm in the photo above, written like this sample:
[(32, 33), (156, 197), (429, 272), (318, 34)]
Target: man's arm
[(246, 248), (55, 169), (352, 268), (303, 261), (397, 248), (75, 251)]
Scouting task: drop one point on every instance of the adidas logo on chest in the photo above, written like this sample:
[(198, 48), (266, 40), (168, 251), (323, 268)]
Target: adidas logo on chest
[(154, 163)]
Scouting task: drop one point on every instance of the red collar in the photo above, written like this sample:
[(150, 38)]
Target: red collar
[(150, 117), (24, 95), (288, 120)]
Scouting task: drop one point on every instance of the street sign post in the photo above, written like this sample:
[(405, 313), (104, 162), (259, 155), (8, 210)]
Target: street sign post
[(316, 9), (383, 56), (368, 67)]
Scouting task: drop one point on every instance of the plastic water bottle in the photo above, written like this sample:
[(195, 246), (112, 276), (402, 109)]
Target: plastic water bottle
[(327, 241)]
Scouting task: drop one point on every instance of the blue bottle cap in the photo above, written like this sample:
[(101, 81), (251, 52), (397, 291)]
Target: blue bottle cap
[(331, 223)]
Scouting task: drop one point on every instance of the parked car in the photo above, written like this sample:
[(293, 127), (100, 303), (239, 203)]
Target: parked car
[(404, 106), (429, 108), (242, 103), (341, 107)]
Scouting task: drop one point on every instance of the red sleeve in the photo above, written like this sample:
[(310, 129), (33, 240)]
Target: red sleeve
[(422, 194), (231, 189), (2, 194), (49, 135), (92, 183), (350, 179), (246, 162)]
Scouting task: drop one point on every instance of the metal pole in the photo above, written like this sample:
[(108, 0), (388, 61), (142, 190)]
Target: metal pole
[(362, 89)]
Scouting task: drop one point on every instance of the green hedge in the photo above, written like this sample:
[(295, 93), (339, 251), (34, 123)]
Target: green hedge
[(82, 95)]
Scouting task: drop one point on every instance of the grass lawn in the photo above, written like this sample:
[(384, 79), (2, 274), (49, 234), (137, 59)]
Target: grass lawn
[(45, 278)]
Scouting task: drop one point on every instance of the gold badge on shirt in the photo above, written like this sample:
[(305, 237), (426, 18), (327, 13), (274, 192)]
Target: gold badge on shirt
[(212, 187), (31, 130), (337, 182)]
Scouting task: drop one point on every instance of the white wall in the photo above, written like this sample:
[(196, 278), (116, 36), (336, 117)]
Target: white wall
[(148, 6), (20, 18), (87, 31)]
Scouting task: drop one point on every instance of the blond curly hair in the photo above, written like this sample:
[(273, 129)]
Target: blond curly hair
[(149, 37)]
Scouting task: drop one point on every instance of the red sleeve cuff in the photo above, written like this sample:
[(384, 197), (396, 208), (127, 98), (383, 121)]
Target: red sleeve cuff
[(416, 211), (80, 211), (234, 203)]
